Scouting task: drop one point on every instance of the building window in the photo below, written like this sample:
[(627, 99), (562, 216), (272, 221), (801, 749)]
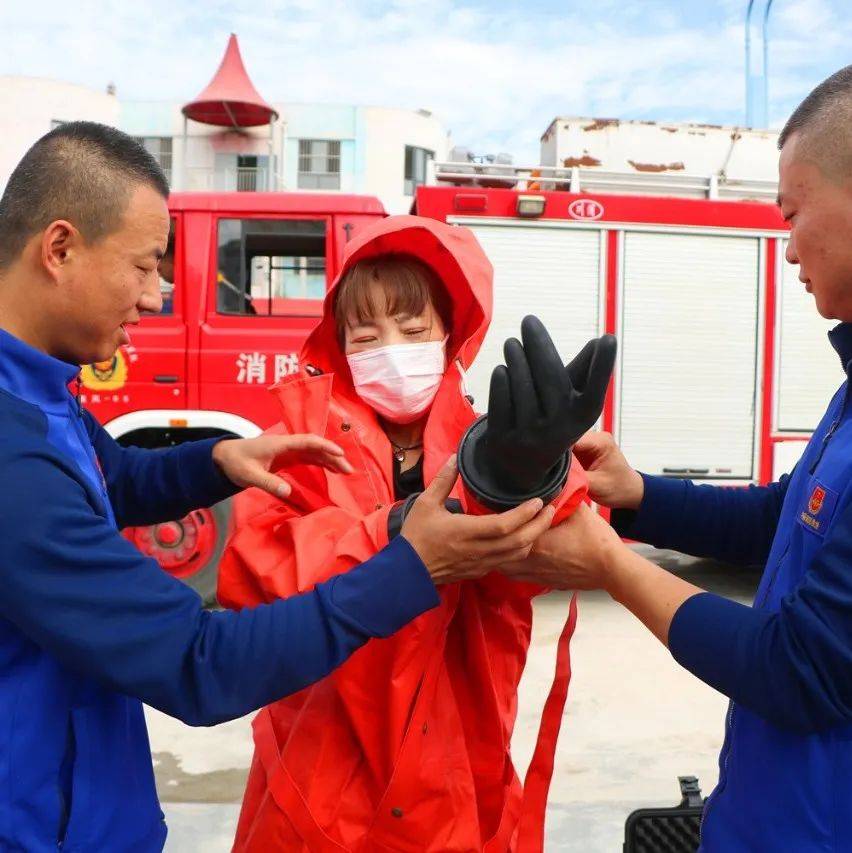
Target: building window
[(319, 164), (416, 164), (160, 148), (271, 267)]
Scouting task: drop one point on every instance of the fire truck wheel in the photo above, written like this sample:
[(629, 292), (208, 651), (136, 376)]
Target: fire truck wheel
[(190, 548)]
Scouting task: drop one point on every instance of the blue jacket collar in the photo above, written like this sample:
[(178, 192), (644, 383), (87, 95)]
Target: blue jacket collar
[(32, 375), (841, 339)]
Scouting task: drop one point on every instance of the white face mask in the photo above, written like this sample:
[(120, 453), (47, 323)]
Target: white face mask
[(399, 381)]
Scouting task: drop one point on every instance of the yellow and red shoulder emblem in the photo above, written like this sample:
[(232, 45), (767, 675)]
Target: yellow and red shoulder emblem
[(105, 375)]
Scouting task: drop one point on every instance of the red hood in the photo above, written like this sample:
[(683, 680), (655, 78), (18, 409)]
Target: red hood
[(455, 256)]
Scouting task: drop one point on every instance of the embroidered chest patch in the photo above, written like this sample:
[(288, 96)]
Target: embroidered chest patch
[(818, 508)]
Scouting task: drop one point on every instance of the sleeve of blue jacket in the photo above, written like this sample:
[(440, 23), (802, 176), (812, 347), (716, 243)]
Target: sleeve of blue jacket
[(731, 524), (151, 486), (79, 590), (791, 667)]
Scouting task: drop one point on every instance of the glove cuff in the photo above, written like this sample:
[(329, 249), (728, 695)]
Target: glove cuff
[(482, 484), (399, 512)]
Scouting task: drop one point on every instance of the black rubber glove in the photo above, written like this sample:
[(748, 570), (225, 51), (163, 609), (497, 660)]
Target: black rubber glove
[(537, 409)]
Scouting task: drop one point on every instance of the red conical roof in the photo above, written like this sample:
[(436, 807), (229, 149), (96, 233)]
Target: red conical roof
[(230, 99)]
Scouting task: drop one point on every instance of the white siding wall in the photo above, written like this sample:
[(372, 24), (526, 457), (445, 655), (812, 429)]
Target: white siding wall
[(30, 104), (386, 133)]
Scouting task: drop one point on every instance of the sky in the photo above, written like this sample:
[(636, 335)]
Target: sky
[(495, 73)]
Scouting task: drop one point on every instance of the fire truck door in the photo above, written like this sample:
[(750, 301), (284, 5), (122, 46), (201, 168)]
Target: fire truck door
[(270, 280), (688, 332), (553, 271)]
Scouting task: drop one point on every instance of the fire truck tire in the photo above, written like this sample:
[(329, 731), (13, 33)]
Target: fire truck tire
[(189, 548), (205, 579)]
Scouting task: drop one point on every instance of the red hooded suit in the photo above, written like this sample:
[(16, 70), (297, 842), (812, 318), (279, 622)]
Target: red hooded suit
[(406, 746)]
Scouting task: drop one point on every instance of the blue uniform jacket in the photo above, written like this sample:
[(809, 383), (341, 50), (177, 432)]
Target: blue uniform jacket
[(785, 771), (90, 629)]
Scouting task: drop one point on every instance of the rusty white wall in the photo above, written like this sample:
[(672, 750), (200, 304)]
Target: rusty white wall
[(661, 148)]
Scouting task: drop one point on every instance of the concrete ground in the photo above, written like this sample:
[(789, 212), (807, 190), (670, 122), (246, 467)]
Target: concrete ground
[(634, 722)]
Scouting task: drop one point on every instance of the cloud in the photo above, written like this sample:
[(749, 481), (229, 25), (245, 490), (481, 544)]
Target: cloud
[(494, 73)]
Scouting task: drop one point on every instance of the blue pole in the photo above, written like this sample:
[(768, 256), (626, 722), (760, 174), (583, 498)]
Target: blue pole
[(766, 63), (749, 116)]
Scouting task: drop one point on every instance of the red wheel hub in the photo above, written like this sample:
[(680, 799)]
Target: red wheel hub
[(182, 547), (168, 535)]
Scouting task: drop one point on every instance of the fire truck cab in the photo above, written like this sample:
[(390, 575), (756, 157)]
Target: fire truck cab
[(243, 281)]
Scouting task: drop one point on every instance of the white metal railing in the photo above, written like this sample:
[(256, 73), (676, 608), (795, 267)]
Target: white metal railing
[(239, 179), (251, 179), (576, 179)]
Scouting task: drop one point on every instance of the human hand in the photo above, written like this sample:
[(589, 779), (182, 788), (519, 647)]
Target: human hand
[(584, 552), (457, 547), (576, 554), (612, 482), (250, 462)]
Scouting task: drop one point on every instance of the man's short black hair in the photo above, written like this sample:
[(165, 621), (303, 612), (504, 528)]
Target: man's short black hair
[(81, 171), (822, 124)]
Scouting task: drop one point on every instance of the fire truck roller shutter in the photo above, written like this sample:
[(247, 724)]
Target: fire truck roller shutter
[(688, 335), (552, 272)]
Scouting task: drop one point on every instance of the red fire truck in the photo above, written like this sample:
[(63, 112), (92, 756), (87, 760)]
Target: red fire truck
[(723, 365)]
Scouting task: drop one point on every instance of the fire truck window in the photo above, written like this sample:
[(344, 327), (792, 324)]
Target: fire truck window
[(264, 264), (167, 274)]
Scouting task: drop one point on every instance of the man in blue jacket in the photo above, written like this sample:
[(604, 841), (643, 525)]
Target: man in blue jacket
[(89, 627), (786, 763)]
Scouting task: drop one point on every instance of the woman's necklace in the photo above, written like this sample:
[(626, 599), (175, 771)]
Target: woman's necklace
[(399, 450)]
